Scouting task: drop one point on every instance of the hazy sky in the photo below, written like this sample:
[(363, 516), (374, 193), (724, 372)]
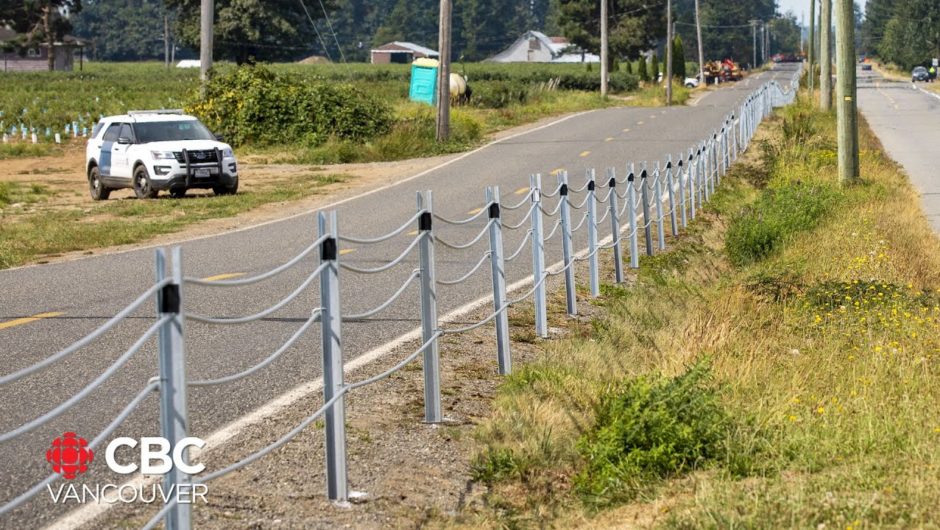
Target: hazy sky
[(799, 7)]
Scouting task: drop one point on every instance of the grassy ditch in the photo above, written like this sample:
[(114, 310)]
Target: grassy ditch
[(29, 230), (776, 368)]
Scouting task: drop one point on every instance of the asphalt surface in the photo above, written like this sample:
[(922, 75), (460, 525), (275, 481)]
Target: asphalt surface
[(907, 121), (88, 291)]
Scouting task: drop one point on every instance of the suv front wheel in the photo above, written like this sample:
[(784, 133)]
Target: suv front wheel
[(143, 187), (226, 190), (98, 190)]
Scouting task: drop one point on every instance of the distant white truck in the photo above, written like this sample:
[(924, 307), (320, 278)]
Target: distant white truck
[(152, 151)]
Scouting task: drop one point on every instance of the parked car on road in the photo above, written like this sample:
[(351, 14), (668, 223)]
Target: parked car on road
[(157, 150), (920, 74), (866, 67), (691, 82)]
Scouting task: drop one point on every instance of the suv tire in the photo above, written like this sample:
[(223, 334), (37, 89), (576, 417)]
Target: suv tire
[(226, 190), (177, 193), (143, 187), (99, 192)]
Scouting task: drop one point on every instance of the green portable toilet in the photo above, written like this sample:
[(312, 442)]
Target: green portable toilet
[(423, 81)]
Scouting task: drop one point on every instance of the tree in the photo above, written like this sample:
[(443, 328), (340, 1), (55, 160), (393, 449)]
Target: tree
[(122, 30), (247, 30), (654, 68), (641, 69), (911, 36), (634, 26), (678, 58), (785, 34), (39, 21)]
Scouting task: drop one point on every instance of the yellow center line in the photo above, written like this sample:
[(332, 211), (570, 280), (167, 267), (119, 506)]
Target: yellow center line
[(639, 123), (609, 139), (27, 320), (584, 154), (652, 116), (413, 233), (346, 251), (475, 211), (522, 191), (556, 171), (224, 276), (626, 130)]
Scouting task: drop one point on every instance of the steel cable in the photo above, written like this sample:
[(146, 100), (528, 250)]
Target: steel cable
[(386, 237), (471, 243), (401, 257), (361, 316), (314, 317), (87, 339), (524, 219), (470, 219), (103, 435), (463, 278), (98, 381), (254, 279), (261, 314), (519, 204), (528, 235)]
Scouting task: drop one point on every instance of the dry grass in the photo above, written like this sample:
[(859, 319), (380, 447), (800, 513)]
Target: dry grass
[(824, 353)]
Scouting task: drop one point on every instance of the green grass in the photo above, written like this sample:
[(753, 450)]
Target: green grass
[(23, 150), (819, 408), (30, 234)]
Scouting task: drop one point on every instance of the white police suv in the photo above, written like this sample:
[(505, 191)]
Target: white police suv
[(157, 150)]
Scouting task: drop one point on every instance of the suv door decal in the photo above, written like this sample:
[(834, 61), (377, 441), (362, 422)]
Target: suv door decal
[(104, 159)]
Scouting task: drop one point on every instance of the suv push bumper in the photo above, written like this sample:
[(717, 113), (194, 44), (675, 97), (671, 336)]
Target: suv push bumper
[(191, 174)]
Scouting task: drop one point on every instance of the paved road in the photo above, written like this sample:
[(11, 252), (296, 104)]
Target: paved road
[(87, 291), (907, 121)]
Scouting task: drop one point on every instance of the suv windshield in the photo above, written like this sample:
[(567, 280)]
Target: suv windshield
[(168, 131), (919, 69)]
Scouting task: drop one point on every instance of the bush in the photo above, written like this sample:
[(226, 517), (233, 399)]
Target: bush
[(253, 104), (650, 428), (780, 212)]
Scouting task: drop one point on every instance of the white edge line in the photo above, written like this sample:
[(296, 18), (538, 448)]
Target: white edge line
[(929, 93), (324, 207)]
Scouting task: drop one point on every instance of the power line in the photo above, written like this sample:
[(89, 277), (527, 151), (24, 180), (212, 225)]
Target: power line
[(317, 31), (330, 25), (715, 27)]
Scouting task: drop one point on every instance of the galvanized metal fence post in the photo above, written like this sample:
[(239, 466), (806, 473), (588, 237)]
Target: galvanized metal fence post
[(571, 301), (174, 420), (683, 184), (660, 216), (670, 187), (734, 139), (538, 257), (503, 356), (693, 189), (432, 363), (647, 222), (330, 326), (614, 205), (592, 235), (706, 155), (631, 212)]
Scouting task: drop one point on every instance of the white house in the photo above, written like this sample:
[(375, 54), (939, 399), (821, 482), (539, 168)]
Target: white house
[(536, 47)]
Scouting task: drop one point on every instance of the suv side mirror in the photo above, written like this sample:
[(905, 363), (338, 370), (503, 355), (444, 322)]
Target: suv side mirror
[(220, 137), (124, 140)]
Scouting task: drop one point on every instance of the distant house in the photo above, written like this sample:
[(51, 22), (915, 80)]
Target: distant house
[(400, 53), (536, 47), (13, 58)]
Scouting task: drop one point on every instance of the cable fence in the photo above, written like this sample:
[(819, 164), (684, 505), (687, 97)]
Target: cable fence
[(641, 201)]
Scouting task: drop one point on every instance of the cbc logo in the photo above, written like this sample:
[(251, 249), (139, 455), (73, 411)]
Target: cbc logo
[(70, 455), (156, 458)]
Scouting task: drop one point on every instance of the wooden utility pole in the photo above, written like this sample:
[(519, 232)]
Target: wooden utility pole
[(846, 92), (812, 47), (443, 73), (754, 43), (825, 60), (701, 52), (668, 53), (604, 38), (207, 14), (166, 40)]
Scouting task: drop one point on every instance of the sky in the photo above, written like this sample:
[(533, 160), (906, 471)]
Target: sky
[(799, 7)]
